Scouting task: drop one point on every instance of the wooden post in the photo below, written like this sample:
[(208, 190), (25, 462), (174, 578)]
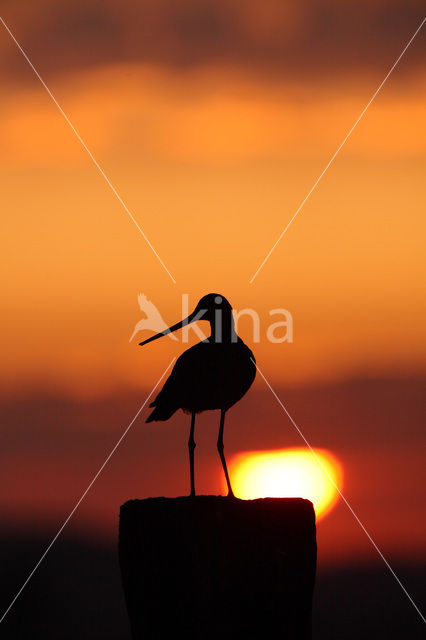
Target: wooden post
[(211, 567)]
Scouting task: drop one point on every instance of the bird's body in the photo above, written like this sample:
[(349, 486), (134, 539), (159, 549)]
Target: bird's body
[(213, 374), (206, 376)]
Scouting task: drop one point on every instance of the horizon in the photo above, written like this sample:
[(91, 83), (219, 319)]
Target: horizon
[(209, 166)]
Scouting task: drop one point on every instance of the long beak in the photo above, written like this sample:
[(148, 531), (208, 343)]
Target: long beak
[(195, 315)]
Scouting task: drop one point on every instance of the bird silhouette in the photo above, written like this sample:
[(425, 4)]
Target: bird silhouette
[(213, 374), (153, 320)]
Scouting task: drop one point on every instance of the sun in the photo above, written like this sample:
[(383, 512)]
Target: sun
[(302, 473)]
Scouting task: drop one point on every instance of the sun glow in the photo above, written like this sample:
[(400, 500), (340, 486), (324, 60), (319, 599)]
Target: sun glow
[(288, 473)]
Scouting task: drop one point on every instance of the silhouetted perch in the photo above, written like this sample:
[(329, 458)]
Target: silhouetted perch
[(211, 567)]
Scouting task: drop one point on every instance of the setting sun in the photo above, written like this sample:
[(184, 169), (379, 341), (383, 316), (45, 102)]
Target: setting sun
[(288, 473)]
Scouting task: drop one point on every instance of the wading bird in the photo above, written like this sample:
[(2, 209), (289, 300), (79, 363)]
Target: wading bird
[(213, 374)]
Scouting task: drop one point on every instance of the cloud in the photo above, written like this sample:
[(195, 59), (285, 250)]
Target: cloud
[(310, 38), (135, 112)]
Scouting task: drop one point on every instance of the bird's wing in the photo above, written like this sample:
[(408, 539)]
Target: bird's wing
[(153, 315), (142, 300)]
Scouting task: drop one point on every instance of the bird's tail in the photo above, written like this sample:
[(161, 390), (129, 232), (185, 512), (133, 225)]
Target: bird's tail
[(160, 413)]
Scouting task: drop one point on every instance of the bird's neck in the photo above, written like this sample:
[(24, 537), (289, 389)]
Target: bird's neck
[(223, 328)]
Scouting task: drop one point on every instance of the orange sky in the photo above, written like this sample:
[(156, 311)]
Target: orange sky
[(213, 135), (212, 164)]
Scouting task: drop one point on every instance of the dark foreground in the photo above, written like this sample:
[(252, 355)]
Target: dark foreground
[(77, 593), (211, 567)]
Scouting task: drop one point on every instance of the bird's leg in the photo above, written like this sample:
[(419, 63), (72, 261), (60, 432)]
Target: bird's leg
[(191, 447), (221, 454)]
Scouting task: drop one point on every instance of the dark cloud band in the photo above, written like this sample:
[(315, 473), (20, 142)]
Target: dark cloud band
[(307, 38)]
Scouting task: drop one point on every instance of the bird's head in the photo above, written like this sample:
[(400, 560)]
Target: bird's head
[(213, 307)]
